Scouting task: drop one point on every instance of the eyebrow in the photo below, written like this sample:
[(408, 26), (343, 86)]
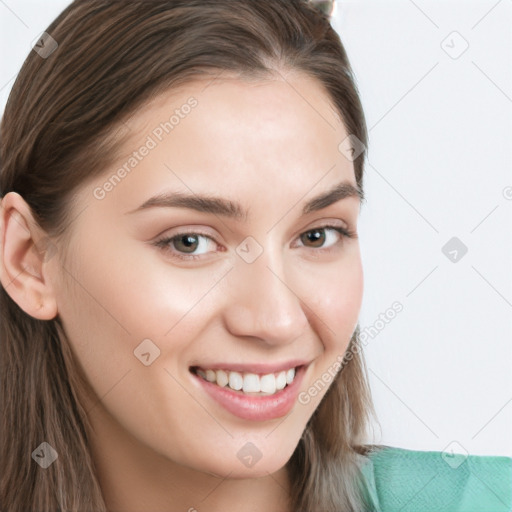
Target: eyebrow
[(230, 209)]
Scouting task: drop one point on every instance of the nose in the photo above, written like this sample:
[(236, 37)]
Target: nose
[(264, 304)]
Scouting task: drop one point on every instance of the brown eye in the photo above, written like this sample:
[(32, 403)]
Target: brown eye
[(187, 243), (326, 238), (315, 236)]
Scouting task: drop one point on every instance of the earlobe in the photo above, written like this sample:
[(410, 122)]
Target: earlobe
[(24, 256)]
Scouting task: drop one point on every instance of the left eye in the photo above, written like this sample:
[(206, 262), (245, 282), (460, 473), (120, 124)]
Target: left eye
[(318, 236), (190, 245)]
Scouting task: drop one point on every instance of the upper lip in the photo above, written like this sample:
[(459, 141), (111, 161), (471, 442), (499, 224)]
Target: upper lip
[(258, 368)]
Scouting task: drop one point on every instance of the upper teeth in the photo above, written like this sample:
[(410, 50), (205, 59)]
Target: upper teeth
[(249, 382)]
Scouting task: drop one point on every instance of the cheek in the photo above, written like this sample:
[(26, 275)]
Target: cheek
[(135, 291), (334, 317), (114, 304), (336, 304)]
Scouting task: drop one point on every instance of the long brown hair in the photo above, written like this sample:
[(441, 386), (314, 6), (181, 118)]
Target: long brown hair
[(60, 128)]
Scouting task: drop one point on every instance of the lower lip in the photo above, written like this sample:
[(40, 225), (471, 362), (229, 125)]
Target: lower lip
[(253, 407)]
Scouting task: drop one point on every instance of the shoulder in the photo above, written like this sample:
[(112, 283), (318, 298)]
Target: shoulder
[(427, 481)]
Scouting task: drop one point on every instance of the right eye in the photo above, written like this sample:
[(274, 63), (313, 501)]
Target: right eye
[(183, 245)]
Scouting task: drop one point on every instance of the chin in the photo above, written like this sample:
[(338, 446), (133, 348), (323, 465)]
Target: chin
[(221, 467), (259, 470)]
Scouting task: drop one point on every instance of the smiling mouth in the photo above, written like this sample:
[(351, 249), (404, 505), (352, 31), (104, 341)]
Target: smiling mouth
[(247, 382)]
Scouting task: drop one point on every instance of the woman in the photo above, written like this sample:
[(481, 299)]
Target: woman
[(180, 268)]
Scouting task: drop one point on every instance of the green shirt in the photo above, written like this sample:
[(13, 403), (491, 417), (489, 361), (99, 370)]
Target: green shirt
[(400, 480)]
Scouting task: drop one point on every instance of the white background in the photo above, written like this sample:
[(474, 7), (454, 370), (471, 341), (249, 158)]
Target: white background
[(439, 166)]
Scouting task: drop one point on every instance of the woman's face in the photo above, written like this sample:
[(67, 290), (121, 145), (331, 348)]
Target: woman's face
[(231, 274)]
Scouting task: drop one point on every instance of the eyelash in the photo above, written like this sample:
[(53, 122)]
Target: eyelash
[(164, 243)]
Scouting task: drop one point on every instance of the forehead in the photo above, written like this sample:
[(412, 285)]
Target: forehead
[(232, 135), (287, 102)]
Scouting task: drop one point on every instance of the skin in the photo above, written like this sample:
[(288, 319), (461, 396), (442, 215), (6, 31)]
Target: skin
[(160, 443)]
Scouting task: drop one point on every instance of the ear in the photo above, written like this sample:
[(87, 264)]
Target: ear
[(25, 252)]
